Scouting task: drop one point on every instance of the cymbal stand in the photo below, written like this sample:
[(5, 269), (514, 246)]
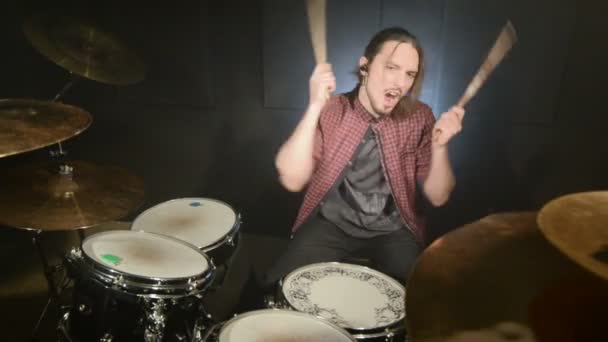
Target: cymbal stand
[(49, 271), (73, 79)]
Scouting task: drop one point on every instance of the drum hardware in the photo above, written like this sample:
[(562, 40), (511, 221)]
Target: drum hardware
[(83, 49), (77, 195), (210, 224), (155, 320), (276, 325), (54, 196), (576, 225), (27, 125), (501, 270), (136, 285), (328, 290)]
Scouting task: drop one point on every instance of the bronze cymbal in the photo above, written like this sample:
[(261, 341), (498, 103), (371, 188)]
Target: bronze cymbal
[(26, 125), (39, 196), (84, 49), (498, 279), (577, 224)]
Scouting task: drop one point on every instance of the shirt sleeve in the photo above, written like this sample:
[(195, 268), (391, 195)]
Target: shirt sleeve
[(423, 152)]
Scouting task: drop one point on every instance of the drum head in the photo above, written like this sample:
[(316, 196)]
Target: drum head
[(199, 221), (351, 296), (144, 254), (280, 325)]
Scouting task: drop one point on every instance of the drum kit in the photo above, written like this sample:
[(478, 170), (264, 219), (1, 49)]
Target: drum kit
[(496, 279)]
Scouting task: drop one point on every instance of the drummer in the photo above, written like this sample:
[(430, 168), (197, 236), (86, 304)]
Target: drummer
[(364, 158)]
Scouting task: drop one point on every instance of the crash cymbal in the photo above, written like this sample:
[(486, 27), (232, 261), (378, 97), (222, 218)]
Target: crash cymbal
[(84, 49), (26, 125), (577, 224), (39, 196), (498, 279)]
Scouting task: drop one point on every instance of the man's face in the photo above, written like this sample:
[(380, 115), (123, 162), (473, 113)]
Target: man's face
[(389, 77)]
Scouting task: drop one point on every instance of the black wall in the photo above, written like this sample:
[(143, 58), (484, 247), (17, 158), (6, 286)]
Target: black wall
[(227, 82)]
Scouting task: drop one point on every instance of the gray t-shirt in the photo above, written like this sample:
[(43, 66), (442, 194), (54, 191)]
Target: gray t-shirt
[(361, 203)]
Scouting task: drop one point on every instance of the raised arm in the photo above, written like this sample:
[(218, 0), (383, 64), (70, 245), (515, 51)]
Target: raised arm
[(295, 160)]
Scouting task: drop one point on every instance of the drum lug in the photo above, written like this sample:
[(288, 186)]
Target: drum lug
[(270, 302), (84, 309), (155, 320), (119, 282), (106, 338), (76, 253)]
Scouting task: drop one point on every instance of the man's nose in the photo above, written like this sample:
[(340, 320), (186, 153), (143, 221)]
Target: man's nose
[(401, 81)]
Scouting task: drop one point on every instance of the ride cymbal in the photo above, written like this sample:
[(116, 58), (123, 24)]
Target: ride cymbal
[(42, 197), (26, 125), (577, 224), (84, 49), (498, 279)]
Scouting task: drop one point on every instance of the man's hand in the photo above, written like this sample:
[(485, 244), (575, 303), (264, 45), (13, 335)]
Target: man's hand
[(447, 126), (322, 83)]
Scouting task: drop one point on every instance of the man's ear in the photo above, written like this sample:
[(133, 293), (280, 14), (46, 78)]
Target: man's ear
[(363, 65)]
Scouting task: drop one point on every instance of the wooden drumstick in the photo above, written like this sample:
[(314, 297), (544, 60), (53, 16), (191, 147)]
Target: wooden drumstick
[(506, 39), (317, 27), (504, 42)]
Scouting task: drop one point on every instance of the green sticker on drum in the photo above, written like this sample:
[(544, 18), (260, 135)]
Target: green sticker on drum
[(112, 259)]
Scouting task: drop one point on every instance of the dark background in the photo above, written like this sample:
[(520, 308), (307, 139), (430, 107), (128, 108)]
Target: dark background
[(227, 82)]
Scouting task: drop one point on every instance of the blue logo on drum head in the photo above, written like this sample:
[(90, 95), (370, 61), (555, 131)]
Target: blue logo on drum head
[(196, 204)]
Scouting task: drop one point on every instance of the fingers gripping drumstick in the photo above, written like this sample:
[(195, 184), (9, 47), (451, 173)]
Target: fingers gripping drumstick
[(504, 42)]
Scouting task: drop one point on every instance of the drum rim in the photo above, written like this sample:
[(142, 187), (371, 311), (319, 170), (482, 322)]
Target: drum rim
[(214, 244), (365, 268), (298, 313), (139, 281)]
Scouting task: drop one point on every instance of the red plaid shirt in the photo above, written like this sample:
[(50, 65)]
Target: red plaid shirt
[(405, 147)]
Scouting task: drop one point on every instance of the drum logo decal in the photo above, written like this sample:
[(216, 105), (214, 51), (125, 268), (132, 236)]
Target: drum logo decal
[(112, 259)]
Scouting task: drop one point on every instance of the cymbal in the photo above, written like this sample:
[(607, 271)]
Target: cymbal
[(84, 49), (38, 196), (26, 125), (498, 279), (577, 224)]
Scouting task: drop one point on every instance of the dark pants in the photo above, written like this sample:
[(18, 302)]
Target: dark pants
[(319, 240)]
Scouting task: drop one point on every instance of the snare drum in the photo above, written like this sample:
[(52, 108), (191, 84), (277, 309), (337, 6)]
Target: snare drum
[(367, 303), (131, 286), (273, 325), (209, 224)]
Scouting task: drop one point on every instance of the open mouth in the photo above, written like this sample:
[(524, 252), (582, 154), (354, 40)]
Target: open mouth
[(391, 97)]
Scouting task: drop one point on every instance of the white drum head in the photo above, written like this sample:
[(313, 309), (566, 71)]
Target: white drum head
[(280, 326), (199, 221), (350, 296), (145, 255)]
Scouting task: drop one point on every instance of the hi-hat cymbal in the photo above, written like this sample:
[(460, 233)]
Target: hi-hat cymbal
[(39, 196), (26, 125), (498, 279), (577, 224), (84, 49)]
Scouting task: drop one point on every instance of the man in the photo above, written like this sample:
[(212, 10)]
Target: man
[(365, 157)]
